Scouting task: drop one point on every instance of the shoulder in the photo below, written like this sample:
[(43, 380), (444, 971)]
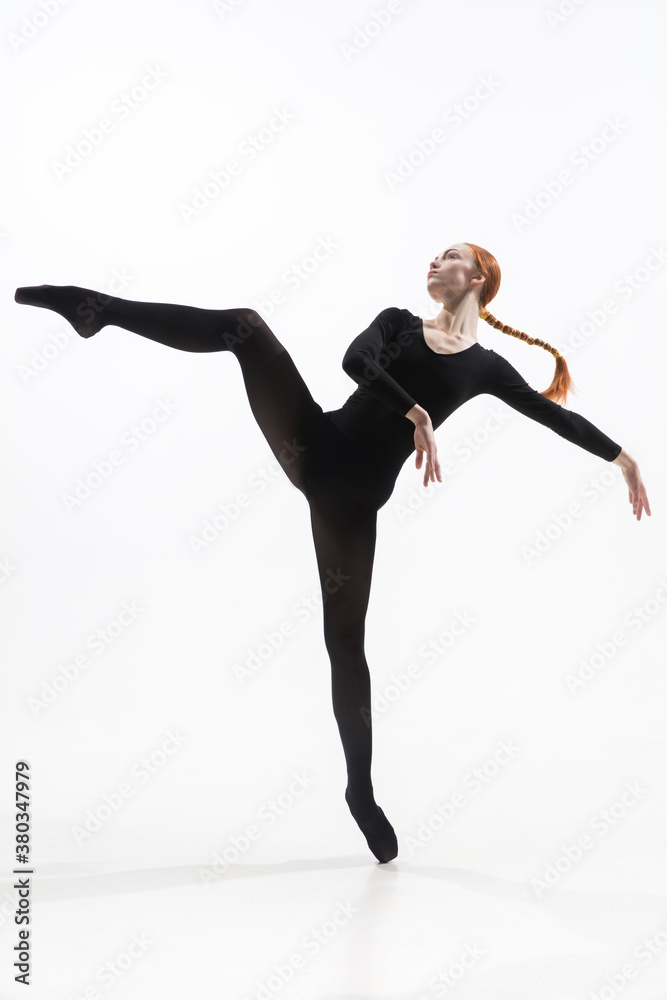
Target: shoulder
[(499, 370), (395, 314), (497, 361), (403, 319), (393, 320)]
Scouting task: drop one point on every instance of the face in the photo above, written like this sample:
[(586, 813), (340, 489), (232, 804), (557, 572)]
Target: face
[(452, 271)]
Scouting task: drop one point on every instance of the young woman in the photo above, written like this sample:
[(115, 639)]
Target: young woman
[(411, 375)]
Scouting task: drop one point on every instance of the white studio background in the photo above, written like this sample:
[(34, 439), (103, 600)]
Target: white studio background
[(384, 132)]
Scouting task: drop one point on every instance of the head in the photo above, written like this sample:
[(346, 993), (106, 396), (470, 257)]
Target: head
[(466, 270), (463, 269)]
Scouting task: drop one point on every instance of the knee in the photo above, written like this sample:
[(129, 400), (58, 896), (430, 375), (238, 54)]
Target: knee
[(238, 327), (252, 329), (251, 317), (345, 642)]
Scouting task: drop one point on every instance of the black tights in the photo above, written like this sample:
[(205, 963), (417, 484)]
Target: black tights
[(343, 512)]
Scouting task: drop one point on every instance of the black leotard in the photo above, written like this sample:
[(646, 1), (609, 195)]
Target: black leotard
[(396, 369)]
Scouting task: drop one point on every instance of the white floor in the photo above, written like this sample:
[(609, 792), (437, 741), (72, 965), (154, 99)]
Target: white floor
[(339, 927), (306, 912)]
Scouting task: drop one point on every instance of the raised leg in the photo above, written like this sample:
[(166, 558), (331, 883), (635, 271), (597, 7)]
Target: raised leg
[(279, 398), (345, 547)]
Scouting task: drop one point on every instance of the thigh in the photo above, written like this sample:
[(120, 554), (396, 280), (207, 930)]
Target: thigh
[(281, 402), (345, 548)]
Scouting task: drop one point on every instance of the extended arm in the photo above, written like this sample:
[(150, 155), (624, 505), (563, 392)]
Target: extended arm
[(507, 384)]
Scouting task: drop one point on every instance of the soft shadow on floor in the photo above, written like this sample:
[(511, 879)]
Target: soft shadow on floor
[(59, 882)]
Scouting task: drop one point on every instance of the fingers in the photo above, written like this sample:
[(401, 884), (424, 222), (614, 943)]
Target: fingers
[(637, 495), (639, 500), (432, 471), (643, 499), (427, 470)]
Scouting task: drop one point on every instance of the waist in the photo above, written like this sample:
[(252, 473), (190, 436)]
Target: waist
[(386, 440)]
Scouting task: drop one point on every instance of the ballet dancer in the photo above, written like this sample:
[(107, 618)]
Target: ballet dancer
[(411, 374)]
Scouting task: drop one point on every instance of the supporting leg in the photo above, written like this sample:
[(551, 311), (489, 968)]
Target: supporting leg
[(345, 548)]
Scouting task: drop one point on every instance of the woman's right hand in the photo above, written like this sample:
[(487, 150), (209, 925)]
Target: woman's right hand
[(425, 444)]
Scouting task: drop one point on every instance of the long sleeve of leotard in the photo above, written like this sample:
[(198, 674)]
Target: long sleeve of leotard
[(507, 384), (360, 361)]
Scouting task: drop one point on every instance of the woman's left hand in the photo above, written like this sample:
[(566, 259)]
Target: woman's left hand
[(636, 490)]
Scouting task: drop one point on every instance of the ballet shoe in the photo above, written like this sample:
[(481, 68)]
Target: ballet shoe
[(383, 842), (65, 300)]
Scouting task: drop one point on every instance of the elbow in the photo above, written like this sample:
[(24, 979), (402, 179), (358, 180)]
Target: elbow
[(351, 364)]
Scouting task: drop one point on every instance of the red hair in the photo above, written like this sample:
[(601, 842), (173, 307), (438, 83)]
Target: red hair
[(561, 383)]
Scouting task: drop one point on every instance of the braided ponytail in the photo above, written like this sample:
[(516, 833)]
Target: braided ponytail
[(561, 383)]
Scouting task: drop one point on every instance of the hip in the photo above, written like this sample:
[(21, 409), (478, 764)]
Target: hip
[(344, 471)]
